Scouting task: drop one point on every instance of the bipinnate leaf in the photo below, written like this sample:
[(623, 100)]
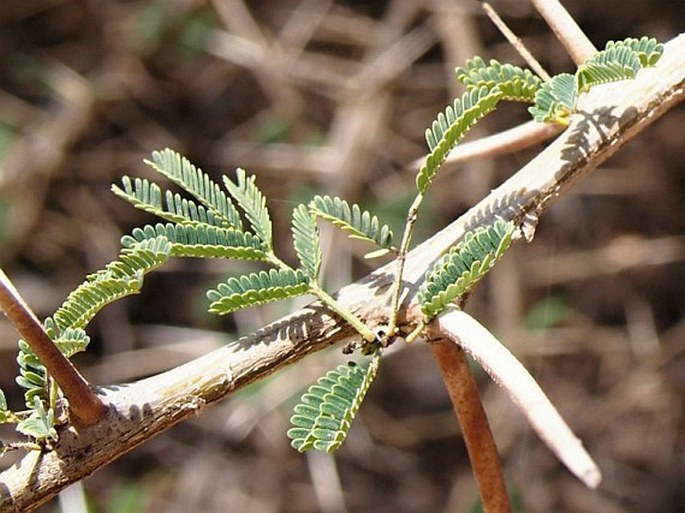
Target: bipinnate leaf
[(324, 415), (201, 241), (648, 49), (248, 196), (465, 264), (359, 224), (149, 197), (451, 126), (610, 65), (193, 180), (306, 241), (516, 84), (556, 100), (257, 288), (118, 279), (619, 60)]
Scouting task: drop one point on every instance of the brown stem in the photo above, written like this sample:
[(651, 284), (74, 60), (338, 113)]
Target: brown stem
[(480, 444), (84, 404)]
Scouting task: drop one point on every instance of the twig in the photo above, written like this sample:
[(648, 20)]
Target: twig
[(577, 44), (516, 42), (85, 405), (462, 389), (512, 376)]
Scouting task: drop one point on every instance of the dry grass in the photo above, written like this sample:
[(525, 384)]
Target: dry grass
[(334, 97)]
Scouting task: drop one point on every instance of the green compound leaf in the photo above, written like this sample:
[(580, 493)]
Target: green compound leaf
[(180, 171), (463, 266), (556, 100), (324, 416), (611, 65), (516, 84), (253, 203), (257, 288), (358, 224), (149, 197), (451, 125), (648, 49), (201, 241), (619, 60), (306, 241), (40, 424), (118, 279)]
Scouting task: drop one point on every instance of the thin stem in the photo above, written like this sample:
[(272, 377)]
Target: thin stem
[(412, 216), (366, 333), (516, 42), (330, 302), (85, 405), (277, 262), (577, 44), (485, 460)]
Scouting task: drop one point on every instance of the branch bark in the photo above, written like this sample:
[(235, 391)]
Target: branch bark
[(610, 116)]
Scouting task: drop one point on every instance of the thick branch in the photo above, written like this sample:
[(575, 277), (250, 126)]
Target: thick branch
[(612, 115)]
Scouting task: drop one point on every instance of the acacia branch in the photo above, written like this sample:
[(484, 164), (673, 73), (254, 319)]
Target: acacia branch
[(611, 115)]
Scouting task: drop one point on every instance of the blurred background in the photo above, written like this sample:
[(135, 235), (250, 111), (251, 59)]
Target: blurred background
[(333, 97)]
